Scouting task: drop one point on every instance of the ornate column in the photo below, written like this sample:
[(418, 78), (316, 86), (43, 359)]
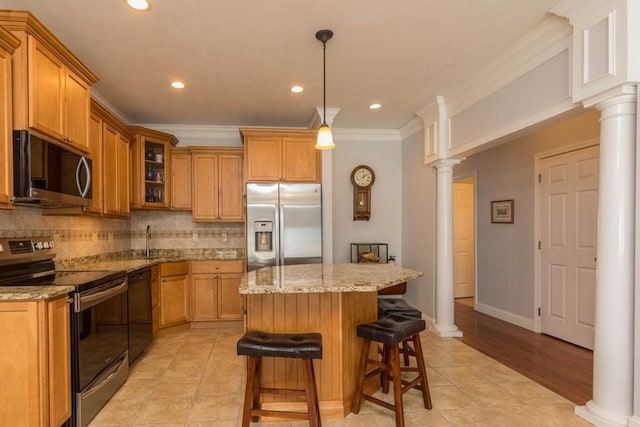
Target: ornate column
[(612, 401), (444, 326)]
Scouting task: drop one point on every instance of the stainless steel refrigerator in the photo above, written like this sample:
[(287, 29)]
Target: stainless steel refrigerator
[(284, 224)]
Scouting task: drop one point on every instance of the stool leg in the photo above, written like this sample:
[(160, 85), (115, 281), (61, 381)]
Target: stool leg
[(250, 389), (384, 375), (426, 394), (405, 352), (357, 395), (312, 393), (397, 385)]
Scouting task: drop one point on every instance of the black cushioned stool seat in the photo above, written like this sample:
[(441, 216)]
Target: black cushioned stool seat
[(256, 345), (391, 331), (387, 306)]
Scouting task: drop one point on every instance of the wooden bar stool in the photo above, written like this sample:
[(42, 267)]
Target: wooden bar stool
[(387, 306), (256, 345), (391, 331)]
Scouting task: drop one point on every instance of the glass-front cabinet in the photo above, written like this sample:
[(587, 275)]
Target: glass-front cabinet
[(151, 170)]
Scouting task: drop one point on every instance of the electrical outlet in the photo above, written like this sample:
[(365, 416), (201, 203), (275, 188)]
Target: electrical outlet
[(195, 236)]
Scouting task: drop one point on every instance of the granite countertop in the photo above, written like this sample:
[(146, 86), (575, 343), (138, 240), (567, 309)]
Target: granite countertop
[(135, 260), (317, 278), (21, 293)]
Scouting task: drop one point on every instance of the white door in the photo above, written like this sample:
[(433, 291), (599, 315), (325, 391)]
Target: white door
[(463, 242), (568, 233)]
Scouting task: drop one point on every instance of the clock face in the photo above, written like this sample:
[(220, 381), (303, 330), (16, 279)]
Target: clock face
[(363, 176)]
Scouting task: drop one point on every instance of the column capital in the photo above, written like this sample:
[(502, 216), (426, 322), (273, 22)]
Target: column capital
[(622, 93), (444, 164)]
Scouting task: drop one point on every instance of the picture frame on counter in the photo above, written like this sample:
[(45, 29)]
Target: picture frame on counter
[(502, 211)]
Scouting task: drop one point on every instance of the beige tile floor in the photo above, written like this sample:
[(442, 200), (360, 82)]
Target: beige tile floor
[(193, 378)]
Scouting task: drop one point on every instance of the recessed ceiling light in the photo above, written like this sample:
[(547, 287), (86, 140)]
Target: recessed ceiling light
[(138, 4), (375, 106), (177, 85), (296, 89)]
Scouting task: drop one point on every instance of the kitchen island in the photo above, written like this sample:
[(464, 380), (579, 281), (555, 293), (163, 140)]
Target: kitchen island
[(331, 299)]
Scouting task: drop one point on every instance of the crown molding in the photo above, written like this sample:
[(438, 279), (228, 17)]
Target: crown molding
[(109, 107), (572, 8), (414, 126)]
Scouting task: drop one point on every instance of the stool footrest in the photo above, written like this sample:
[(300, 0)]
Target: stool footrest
[(274, 413), (282, 390), (378, 401)]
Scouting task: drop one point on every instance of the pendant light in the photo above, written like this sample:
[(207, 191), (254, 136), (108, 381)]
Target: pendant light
[(325, 138)]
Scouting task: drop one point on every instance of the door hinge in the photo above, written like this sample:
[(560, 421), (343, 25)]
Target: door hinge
[(539, 311), (539, 178), (539, 244)]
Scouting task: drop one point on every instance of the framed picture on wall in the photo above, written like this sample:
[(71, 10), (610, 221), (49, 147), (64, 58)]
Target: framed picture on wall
[(502, 211)]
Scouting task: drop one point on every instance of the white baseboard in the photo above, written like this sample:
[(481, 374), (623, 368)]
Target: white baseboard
[(634, 421), (508, 317)]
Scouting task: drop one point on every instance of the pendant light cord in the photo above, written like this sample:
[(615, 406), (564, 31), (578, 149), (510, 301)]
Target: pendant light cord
[(324, 83)]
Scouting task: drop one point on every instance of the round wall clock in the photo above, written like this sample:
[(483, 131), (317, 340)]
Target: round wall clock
[(362, 178)]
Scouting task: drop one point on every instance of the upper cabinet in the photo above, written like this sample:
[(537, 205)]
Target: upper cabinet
[(217, 184), (151, 168), (110, 142), (51, 86), (180, 179), (281, 155), (8, 44)]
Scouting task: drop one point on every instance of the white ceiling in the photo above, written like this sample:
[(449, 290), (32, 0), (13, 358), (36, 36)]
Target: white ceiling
[(239, 58)]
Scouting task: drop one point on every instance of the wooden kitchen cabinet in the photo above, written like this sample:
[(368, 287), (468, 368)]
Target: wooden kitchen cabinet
[(110, 148), (214, 290), (36, 362), (180, 178), (217, 184), (174, 293), (155, 297), (151, 169), (51, 86), (8, 44), (281, 155)]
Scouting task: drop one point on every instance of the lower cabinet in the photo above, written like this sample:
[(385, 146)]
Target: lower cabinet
[(35, 363), (214, 290), (155, 297), (174, 293)]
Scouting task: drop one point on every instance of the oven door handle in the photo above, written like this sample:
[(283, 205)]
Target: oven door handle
[(84, 301)]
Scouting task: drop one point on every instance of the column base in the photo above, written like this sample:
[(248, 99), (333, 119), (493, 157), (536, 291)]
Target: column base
[(446, 331), (599, 417)]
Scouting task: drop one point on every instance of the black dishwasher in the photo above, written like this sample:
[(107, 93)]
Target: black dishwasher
[(140, 320)]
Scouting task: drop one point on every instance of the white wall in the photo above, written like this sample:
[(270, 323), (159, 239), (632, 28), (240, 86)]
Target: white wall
[(506, 252), (418, 223), (385, 223)]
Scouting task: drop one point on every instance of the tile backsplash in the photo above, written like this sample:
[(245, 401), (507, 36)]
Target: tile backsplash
[(81, 236)]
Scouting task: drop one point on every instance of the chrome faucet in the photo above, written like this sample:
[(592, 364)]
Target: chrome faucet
[(147, 250)]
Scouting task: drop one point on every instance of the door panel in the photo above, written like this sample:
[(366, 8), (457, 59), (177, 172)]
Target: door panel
[(463, 244), (568, 230)]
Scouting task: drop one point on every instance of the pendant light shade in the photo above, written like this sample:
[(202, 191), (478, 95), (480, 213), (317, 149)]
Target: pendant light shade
[(324, 140)]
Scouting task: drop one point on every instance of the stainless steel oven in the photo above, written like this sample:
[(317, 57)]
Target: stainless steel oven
[(99, 339)]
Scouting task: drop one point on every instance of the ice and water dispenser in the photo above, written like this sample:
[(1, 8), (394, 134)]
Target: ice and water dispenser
[(264, 235)]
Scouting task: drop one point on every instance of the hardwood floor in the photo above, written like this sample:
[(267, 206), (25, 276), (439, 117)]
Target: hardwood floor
[(562, 367)]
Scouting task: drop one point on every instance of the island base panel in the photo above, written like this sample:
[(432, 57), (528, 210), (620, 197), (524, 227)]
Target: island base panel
[(335, 316)]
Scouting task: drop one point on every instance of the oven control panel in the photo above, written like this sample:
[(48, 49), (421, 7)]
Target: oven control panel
[(25, 249)]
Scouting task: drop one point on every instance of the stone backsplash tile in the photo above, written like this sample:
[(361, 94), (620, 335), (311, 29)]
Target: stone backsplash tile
[(86, 236)]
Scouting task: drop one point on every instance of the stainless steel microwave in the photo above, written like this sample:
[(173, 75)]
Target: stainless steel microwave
[(48, 174)]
